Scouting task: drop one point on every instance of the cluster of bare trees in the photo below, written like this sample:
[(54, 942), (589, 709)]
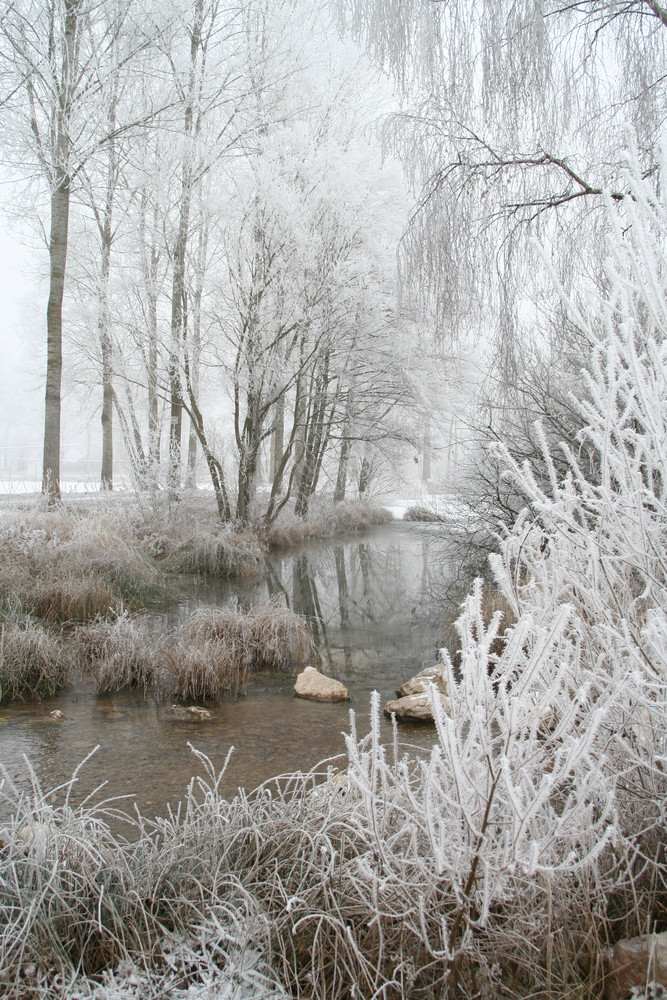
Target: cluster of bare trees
[(215, 229)]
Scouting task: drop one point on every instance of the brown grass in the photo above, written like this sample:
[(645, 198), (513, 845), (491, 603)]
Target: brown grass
[(119, 652), (493, 600), (217, 649), (33, 661), (71, 564), (219, 552), (348, 517), (423, 514)]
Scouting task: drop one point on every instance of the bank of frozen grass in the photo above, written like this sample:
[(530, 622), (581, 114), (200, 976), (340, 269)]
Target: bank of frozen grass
[(326, 521), (32, 659), (360, 882), (69, 564), (94, 558)]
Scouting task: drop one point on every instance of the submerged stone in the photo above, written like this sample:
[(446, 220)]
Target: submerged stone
[(317, 687)]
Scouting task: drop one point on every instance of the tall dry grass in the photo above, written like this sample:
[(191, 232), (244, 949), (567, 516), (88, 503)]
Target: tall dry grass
[(33, 660), (119, 652), (217, 649), (72, 563), (218, 551), (213, 652), (326, 522), (322, 885)]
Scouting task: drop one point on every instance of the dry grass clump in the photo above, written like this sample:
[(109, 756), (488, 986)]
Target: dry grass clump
[(68, 597), (120, 652), (217, 649), (281, 639), (493, 599), (424, 514), (71, 563), (219, 551), (33, 661), (338, 519)]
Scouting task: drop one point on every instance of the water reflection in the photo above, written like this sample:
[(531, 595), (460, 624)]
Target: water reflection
[(372, 603)]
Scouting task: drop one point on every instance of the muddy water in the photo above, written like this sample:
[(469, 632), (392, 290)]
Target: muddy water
[(374, 602)]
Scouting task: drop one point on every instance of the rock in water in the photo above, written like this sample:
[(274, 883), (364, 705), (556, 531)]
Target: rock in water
[(414, 706), (635, 962), (312, 684), (413, 697), (419, 683)]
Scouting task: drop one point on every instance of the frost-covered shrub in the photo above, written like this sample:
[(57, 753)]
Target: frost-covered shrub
[(219, 551)]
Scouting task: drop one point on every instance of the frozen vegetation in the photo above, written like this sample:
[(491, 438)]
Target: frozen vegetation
[(56, 621), (504, 862)]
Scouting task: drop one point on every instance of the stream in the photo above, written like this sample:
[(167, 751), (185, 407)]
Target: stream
[(375, 603)]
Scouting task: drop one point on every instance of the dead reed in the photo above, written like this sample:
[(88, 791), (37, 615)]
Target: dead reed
[(217, 649), (119, 652), (33, 660), (326, 522), (219, 552), (324, 885)]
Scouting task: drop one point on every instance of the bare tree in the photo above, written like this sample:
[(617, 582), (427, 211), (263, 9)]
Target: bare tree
[(56, 60)]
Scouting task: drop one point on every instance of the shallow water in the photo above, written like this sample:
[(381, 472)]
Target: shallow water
[(375, 604)]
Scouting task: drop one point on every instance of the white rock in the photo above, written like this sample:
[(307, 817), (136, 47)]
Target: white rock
[(419, 683), (414, 706), (313, 685)]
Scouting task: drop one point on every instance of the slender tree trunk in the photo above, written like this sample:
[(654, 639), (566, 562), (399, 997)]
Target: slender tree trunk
[(195, 345), (149, 266), (345, 450), (60, 199), (178, 291), (106, 343), (426, 462), (364, 475), (277, 443)]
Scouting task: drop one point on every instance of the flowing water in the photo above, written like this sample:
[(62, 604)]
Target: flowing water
[(375, 605)]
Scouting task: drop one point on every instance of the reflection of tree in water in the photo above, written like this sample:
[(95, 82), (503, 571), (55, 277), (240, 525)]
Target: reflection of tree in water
[(364, 556), (306, 602), (343, 603)]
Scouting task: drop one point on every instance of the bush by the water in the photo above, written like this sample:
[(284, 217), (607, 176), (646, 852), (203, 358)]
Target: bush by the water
[(118, 652), (34, 661), (219, 551), (326, 521), (72, 563), (217, 649), (214, 651)]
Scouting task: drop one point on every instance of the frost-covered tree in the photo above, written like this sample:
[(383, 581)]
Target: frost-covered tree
[(57, 63)]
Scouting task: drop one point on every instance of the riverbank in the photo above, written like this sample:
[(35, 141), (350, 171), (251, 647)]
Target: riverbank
[(98, 559)]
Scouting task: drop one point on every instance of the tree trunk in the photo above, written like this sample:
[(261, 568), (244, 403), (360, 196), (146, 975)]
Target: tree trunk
[(106, 477), (277, 443), (54, 332), (106, 343), (179, 291), (60, 198), (364, 476)]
